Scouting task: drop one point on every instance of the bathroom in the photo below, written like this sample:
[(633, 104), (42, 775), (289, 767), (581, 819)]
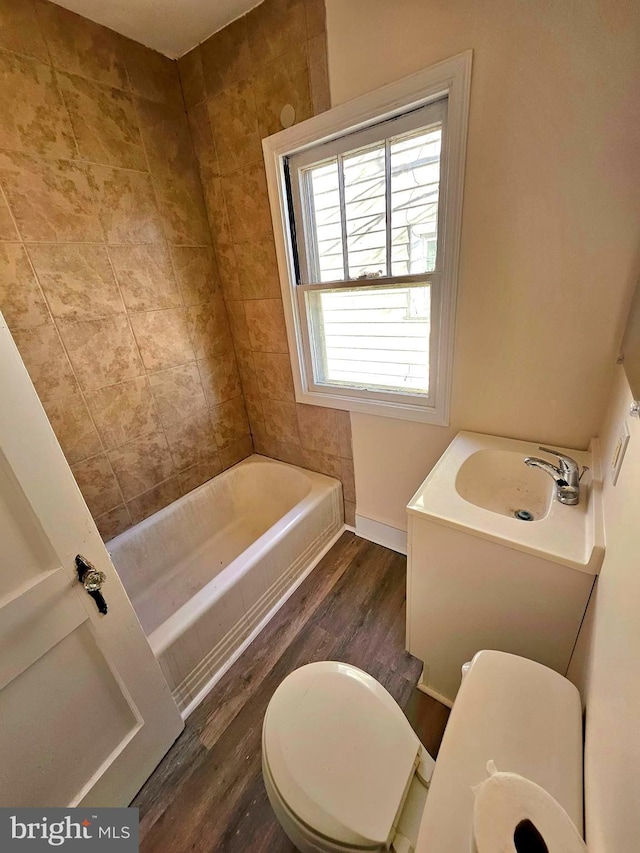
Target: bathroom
[(141, 282)]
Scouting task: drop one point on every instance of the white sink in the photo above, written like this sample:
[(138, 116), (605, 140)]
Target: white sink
[(499, 481), (481, 481)]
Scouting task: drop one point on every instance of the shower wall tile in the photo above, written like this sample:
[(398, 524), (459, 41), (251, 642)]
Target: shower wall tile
[(258, 269), (234, 126), (230, 422), (238, 324), (348, 480), (126, 205), (350, 513), (228, 268), (146, 278), (273, 372), (220, 378), (123, 412), (165, 131), (315, 16), (82, 46), (117, 251), (319, 427), (182, 209), (7, 228), (274, 27), (104, 122), (323, 463), (265, 320), (144, 505), (273, 56), (20, 29), (51, 199), (192, 77), (142, 464), (97, 483), (47, 362), (197, 274), (151, 74), (343, 420), (114, 522), (33, 117), (73, 426), (163, 338), (245, 194), (209, 328), (21, 300), (102, 352), (236, 452), (202, 137), (281, 420), (77, 280), (177, 393), (225, 57), (205, 469), (284, 81), (190, 440)]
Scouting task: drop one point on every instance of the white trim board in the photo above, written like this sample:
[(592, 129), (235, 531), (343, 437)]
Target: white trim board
[(382, 534)]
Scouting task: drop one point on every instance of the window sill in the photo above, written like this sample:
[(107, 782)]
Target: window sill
[(404, 410)]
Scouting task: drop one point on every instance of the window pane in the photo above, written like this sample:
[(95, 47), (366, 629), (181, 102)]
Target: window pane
[(365, 211), (415, 180), (324, 198), (372, 338)]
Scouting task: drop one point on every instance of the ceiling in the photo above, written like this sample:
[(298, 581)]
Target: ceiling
[(171, 26)]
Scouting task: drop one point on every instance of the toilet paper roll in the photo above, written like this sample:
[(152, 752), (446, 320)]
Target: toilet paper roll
[(514, 815)]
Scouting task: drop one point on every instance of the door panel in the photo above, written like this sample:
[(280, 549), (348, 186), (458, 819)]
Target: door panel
[(93, 721), (86, 712)]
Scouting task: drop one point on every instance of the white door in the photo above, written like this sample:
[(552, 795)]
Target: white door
[(85, 712)]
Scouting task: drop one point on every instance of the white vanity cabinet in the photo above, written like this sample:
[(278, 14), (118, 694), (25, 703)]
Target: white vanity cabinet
[(480, 579)]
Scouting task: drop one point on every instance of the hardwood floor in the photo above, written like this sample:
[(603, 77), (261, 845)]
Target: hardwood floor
[(207, 794)]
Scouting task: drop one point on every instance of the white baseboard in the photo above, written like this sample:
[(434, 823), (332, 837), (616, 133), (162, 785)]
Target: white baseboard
[(382, 534), (434, 694)]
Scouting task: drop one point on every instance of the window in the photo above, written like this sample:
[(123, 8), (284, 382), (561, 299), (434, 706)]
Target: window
[(367, 220)]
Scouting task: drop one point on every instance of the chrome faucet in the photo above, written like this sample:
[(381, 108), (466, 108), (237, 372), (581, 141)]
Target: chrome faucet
[(567, 475)]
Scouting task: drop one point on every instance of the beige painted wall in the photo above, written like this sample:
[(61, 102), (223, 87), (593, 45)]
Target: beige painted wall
[(606, 664), (550, 236)]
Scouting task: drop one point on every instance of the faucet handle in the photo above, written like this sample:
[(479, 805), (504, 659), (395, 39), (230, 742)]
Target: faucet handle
[(566, 462)]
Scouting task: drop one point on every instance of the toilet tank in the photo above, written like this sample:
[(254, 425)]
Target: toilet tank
[(523, 716)]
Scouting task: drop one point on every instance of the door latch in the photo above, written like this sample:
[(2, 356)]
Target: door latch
[(92, 581)]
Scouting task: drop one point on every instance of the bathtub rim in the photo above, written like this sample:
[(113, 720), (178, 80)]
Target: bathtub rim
[(172, 628)]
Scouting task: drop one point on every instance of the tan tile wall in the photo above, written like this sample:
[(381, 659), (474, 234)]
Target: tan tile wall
[(235, 85), (107, 277)]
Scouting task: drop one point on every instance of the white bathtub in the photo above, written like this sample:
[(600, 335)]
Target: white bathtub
[(207, 572)]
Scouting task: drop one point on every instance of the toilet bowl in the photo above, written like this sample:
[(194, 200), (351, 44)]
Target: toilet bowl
[(344, 771)]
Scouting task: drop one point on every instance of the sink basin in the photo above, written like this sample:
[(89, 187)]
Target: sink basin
[(481, 481), (498, 480)]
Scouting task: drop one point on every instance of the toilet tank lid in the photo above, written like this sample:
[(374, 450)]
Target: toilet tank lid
[(339, 751), (525, 717)]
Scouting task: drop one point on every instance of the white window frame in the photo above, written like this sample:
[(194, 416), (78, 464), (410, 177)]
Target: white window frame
[(450, 79)]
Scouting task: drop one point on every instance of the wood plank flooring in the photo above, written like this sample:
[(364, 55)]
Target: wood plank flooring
[(207, 794)]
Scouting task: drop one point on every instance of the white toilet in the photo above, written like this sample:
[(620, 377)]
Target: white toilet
[(344, 771)]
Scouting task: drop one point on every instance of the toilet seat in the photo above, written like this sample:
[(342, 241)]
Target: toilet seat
[(339, 753)]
